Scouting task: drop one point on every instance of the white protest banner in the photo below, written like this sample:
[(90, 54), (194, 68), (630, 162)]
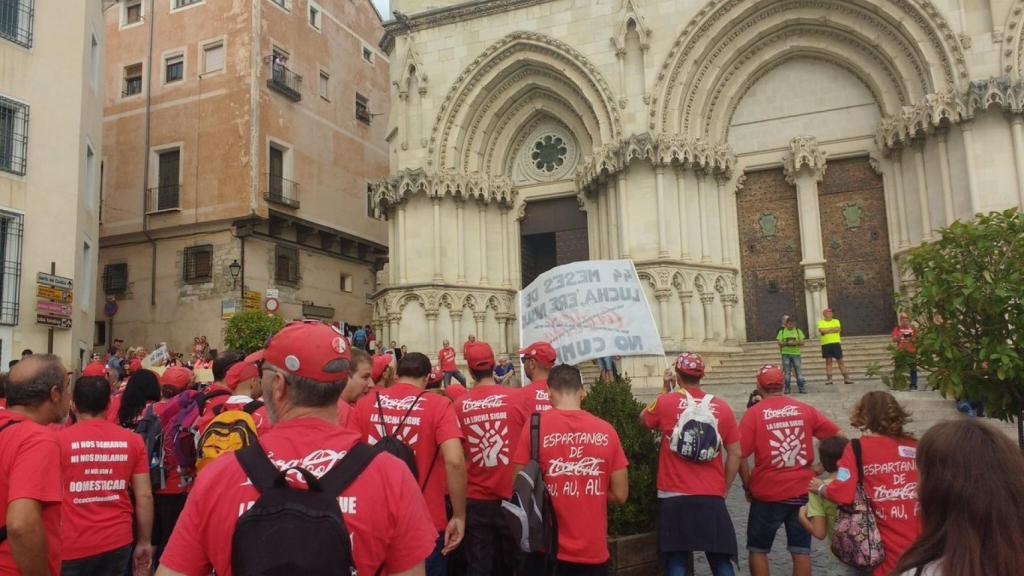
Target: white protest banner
[(589, 309), (156, 358)]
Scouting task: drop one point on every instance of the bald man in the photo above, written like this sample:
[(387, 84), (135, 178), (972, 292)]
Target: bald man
[(30, 463)]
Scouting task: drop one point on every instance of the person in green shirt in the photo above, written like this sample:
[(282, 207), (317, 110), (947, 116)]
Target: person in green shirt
[(831, 347), (819, 515), (791, 340)]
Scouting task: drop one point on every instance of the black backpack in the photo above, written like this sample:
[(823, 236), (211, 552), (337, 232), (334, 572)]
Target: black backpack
[(290, 531), (529, 512), (152, 433), (390, 442)]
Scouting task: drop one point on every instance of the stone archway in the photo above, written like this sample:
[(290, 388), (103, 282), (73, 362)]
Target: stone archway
[(553, 232)]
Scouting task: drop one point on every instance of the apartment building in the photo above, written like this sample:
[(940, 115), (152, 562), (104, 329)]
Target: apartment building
[(51, 111), (241, 137)]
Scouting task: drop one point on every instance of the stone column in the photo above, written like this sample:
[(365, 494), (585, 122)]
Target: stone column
[(804, 166), (901, 210), (662, 297), (967, 129), (438, 277), (723, 218), (432, 330), (922, 191), (393, 320), (480, 317), (505, 278), (402, 279), (686, 297), (483, 243), (728, 305), (684, 213), (613, 219), (1017, 130), (942, 137), (461, 240), (706, 300), (517, 269), (817, 298), (603, 239), (702, 220), (456, 329), (623, 215), (659, 190), (503, 334)]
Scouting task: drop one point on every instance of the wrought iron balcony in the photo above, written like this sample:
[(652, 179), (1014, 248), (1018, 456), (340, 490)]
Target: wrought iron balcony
[(163, 198), (285, 81), (282, 191)]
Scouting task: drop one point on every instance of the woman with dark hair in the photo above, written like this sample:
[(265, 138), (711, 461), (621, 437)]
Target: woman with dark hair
[(889, 474), (972, 503), (126, 408)]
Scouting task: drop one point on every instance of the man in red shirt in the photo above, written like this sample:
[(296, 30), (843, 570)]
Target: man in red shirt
[(169, 500), (691, 495), (446, 361), (538, 358), (425, 422), (491, 420), (30, 484), (780, 433), (241, 388), (903, 336), (105, 468), (584, 470), (359, 382), (304, 368)]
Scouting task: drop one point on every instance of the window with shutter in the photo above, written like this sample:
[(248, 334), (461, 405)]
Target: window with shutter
[(213, 57)]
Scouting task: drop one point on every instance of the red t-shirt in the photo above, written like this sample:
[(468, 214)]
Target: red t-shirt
[(175, 483), (383, 509), (431, 422), (217, 406), (890, 482), (455, 391), (345, 415), (491, 422), (780, 433), (534, 398), (30, 468), (578, 453), (99, 460), (446, 358), (904, 338), (679, 476)]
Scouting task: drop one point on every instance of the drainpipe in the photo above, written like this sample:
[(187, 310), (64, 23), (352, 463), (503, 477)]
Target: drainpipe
[(145, 160)]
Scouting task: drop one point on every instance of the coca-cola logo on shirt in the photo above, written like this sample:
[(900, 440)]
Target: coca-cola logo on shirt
[(317, 463), (493, 401), (906, 492), (405, 404), (784, 412), (588, 466), (542, 395)]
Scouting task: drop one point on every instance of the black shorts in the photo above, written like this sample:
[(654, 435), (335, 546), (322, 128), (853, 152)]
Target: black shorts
[(832, 351), (702, 523), (764, 521)]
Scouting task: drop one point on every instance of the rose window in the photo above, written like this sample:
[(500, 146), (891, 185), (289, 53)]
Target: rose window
[(549, 153)]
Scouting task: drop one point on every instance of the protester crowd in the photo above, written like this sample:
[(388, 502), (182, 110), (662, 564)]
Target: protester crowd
[(325, 454)]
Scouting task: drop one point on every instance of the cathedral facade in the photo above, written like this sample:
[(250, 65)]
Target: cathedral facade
[(752, 157)]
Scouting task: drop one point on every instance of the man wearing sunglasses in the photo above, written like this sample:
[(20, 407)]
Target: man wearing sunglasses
[(304, 368)]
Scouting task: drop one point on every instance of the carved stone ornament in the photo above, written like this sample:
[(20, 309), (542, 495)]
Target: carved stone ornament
[(390, 192), (814, 284), (769, 224), (804, 153), (852, 213)]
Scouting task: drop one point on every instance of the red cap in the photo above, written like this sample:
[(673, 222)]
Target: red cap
[(240, 372), (176, 377), (542, 352), (380, 364), (308, 350), (455, 391), (479, 355), (135, 365), (435, 377), (95, 369), (770, 377), (690, 364)]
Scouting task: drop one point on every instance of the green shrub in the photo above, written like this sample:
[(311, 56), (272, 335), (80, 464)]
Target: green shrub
[(248, 331), (614, 402)]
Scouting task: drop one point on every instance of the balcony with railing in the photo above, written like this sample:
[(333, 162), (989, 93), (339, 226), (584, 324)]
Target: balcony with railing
[(281, 190), (164, 198), (285, 81)]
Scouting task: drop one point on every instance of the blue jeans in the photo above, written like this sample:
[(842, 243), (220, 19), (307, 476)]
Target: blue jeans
[(913, 377), (676, 563), (436, 563), (791, 364), (457, 375)]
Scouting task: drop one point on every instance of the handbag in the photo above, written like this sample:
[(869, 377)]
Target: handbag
[(856, 540)]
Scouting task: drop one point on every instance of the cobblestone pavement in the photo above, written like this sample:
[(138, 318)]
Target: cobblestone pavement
[(781, 565)]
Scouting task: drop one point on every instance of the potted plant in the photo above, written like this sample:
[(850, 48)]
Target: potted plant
[(248, 331), (632, 541)]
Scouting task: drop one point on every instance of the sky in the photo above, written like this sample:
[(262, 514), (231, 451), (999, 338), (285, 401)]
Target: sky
[(383, 8)]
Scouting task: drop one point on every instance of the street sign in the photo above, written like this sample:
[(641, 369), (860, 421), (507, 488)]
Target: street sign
[(53, 321), (54, 294), (53, 309), (228, 308), (251, 300), (52, 281), (110, 309), (273, 293), (272, 304)]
